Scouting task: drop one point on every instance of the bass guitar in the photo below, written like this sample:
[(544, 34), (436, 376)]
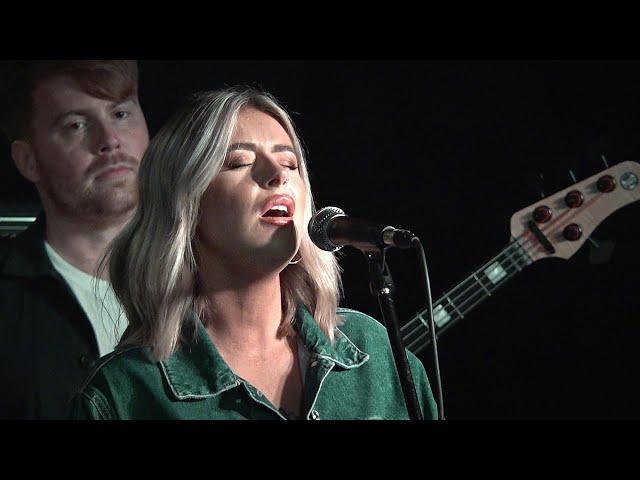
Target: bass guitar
[(556, 226)]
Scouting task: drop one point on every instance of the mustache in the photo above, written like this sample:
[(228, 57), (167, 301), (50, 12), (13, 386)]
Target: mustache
[(113, 161)]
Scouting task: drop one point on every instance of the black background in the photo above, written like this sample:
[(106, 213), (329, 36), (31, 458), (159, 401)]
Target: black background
[(451, 149)]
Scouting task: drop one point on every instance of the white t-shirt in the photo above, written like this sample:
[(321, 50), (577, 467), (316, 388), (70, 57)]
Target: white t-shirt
[(97, 300)]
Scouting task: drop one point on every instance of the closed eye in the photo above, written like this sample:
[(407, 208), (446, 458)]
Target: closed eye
[(235, 166)]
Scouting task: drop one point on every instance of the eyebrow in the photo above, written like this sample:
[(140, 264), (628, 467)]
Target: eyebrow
[(252, 147), (66, 114), (82, 112)]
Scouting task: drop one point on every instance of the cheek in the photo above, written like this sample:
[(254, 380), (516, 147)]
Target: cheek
[(221, 207), (63, 165), (211, 211), (209, 226), (301, 202), (140, 141)]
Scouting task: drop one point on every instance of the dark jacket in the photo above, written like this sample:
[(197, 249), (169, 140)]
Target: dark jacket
[(353, 379), (47, 344)]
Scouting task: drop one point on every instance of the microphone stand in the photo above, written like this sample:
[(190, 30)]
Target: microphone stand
[(382, 287)]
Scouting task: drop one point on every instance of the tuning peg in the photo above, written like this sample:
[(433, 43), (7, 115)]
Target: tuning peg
[(600, 252), (604, 160), (572, 175), (539, 186)]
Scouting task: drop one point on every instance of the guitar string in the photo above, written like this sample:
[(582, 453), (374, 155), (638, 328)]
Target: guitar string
[(514, 245), (425, 331), (456, 305), (506, 251), (461, 306), (450, 305)]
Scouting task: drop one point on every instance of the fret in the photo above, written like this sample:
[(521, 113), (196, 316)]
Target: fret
[(466, 295), (512, 262), (421, 324), (415, 346), (459, 286), (455, 308), (463, 297), (481, 284), (523, 253), (418, 317), (464, 292)]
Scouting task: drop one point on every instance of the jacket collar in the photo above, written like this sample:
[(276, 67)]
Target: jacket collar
[(343, 352), (27, 256), (197, 370)]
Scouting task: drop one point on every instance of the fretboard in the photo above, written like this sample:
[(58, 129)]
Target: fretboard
[(464, 297)]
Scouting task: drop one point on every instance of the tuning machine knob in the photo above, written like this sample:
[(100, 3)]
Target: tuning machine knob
[(542, 214), (606, 184), (574, 199), (572, 232)]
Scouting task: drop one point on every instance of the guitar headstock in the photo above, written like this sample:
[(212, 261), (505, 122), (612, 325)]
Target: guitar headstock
[(552, 228)]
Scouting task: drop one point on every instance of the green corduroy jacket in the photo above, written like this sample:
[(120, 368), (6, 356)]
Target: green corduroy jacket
[(353, 379)]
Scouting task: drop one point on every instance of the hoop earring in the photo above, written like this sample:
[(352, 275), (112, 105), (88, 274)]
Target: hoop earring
[(297, 261)]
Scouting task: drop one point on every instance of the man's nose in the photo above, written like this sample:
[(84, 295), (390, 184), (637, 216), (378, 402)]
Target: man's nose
[(108, 139)]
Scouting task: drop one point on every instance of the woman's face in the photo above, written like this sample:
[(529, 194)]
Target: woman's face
[(253, 210)]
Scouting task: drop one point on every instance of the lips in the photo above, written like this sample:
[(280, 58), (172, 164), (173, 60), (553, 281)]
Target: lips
[(112, 165), (278, 209), (116, 170)]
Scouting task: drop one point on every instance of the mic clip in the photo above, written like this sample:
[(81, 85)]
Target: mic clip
[(395, 237)]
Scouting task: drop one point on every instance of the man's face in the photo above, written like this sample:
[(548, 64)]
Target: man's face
[(87, 150)]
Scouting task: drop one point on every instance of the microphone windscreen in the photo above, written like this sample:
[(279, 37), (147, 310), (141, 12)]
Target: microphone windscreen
[(318, 227)]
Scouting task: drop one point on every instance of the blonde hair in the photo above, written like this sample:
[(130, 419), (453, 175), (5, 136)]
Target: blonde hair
[(153, 263)]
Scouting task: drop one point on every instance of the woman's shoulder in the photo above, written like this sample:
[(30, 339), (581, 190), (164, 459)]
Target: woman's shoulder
[(364, 330), (360, 326), (119, 365), (115, 380)]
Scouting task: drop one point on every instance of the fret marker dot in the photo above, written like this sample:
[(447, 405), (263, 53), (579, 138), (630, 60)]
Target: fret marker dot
[(440, 316), (495, 272)]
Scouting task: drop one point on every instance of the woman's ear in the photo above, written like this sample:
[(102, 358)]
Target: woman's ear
[(25, 160)]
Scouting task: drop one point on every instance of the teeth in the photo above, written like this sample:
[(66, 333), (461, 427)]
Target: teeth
[(282, 208)]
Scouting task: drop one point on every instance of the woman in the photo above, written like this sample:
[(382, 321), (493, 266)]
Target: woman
[(232, 310)]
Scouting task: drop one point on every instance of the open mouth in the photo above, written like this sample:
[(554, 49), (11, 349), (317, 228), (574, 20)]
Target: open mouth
[(277, 211)]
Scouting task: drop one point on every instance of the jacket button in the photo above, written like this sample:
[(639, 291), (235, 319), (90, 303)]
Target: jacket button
[(315, 415), (85, 361)]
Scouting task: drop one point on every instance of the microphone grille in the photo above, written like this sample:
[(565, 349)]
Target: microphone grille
[(318, 228)]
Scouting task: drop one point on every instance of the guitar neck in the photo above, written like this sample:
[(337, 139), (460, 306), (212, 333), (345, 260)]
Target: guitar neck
[(460, 300)]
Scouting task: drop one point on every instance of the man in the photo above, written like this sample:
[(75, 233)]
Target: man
[(78, 133)]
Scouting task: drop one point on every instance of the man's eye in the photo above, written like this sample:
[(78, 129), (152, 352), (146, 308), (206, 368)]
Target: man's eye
[(122, 114), (76, 126)]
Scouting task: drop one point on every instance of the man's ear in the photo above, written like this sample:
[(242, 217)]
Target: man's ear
[(25, 160)]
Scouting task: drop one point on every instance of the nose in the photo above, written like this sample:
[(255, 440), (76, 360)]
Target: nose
[(275, 174), (108, 139)]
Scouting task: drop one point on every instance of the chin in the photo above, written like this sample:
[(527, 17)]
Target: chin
[(114, 206), (269, 259)]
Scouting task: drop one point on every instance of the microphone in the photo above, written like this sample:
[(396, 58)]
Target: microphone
[(330, 229)]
